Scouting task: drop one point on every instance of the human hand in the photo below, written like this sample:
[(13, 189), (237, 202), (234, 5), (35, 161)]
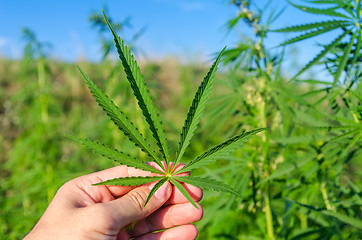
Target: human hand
[(82, 211)]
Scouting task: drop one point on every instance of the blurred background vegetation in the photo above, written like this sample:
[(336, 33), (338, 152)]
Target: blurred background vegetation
[(300, 180)]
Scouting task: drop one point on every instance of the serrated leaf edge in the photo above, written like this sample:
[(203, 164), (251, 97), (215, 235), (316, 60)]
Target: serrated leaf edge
[(219, 147), (141, 92), (155, 188), (119, 119), (128, 181), (122, 157), (196, 109), (208, 183), (183, 191)]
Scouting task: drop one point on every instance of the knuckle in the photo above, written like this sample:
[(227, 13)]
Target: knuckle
[(138, 199), (65, 188)]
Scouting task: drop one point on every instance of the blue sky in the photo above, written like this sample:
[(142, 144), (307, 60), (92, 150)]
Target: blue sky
[(192, 30)]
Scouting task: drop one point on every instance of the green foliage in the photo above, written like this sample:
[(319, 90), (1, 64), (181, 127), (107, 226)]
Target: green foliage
[(295, 178), (157, 186), (323, 53), (141, 93), (36, 159), (196, 109), (129, 181), (343, 218), (222, 150), (98, 22), (301, 179), (120, 119), (347, 10), (114, 154), (208, 183), (148, 108), (184, 192)]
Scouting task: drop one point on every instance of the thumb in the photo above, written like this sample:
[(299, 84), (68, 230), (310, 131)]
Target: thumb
[(131, 207)]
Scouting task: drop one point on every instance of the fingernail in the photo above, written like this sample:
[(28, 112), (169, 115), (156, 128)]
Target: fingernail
[(162, 192)]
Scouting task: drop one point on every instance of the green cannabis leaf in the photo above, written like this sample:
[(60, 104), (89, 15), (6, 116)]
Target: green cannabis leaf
[(152, 118), (347, 18)]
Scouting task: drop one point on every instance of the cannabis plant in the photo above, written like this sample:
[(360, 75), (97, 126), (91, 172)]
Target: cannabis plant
[(346, 16), (98, 23), (167, 171)]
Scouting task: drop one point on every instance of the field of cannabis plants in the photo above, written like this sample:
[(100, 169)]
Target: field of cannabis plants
[(299, 179)]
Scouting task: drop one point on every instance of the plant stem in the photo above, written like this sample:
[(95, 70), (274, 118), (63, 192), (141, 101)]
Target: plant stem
[(269, 218), (303, 220), (267, 167), (42, 88), (323, 190), (268, 213), (41, 72)]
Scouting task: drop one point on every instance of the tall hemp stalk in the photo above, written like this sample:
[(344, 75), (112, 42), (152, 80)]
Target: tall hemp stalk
[(256, 56)]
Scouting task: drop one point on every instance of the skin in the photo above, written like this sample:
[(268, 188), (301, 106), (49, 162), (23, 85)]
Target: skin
[(82, 211)]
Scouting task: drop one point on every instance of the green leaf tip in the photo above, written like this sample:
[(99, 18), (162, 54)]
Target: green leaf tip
[(141, 92), (208, 183), (120, 120), (196, 109), (324, 52), (219, 151), (155, 188), (183, 191)]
